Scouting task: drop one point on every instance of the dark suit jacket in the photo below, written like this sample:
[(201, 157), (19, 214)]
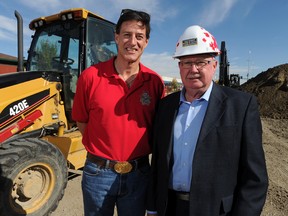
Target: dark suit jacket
[(229, 171)]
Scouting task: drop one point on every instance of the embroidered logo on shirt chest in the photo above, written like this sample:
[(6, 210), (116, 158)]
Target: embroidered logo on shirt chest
[(145, 98)]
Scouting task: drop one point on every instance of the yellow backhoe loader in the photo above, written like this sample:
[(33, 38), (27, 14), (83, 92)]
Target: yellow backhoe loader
[(39, 142)]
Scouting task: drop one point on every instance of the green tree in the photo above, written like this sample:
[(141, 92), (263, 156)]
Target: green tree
[(46, 52), (174, 85)]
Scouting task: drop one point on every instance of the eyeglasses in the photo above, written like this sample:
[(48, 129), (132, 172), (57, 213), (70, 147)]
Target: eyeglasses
[(198, 64)]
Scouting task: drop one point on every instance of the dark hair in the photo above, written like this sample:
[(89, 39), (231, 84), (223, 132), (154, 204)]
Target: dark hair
[(128, 14)]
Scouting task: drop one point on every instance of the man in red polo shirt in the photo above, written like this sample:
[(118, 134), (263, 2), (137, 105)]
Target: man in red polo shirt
[(114, 107)]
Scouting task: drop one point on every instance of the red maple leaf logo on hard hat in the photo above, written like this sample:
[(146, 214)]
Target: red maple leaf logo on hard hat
[(206, 35), (213, 43)]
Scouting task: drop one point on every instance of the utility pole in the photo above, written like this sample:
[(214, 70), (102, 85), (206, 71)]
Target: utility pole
[(248, 65)]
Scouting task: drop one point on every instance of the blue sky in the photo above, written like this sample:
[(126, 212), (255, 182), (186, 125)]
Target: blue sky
[(255, 31)]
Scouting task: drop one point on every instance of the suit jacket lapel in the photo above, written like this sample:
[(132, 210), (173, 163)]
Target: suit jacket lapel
[(214, 111), (172, 116)]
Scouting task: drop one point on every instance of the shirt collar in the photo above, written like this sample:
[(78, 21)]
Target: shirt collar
[(205, 96), (111, 71)]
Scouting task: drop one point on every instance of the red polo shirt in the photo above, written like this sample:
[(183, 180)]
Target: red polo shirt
[(119, 119)]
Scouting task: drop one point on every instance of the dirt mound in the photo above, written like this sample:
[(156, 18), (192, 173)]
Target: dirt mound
[(271, 89)]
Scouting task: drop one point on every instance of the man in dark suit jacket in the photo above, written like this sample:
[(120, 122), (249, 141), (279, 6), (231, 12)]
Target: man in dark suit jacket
[(208, 157)]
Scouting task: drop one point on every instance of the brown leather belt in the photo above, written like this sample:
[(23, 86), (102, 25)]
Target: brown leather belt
[(121, 167)]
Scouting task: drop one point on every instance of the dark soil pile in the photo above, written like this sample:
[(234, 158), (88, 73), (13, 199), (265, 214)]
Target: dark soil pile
[(271, 89)]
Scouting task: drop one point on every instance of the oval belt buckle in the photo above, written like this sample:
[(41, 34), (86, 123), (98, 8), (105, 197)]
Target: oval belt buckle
[(123, 167)]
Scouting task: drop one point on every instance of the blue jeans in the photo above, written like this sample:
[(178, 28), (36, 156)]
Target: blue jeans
[(104, 188)]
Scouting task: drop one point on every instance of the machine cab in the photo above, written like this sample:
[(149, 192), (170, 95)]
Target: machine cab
[(67, 43)]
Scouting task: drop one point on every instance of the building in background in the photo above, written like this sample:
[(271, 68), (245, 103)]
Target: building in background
[(7, 63)]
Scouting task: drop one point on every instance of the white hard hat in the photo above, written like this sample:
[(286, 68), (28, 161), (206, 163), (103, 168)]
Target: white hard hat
[(196, 40)]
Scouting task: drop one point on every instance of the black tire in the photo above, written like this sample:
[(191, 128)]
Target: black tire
[(33, 177)]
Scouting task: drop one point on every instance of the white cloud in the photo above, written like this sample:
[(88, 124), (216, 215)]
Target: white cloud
[(249, 7), (110, 9), (153, 7), (42, 6), (7, 24), (6, 35), (162, 63), (216, 11), (8, 28)]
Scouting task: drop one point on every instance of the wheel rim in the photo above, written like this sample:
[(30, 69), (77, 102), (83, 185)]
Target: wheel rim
[(32, 187)]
